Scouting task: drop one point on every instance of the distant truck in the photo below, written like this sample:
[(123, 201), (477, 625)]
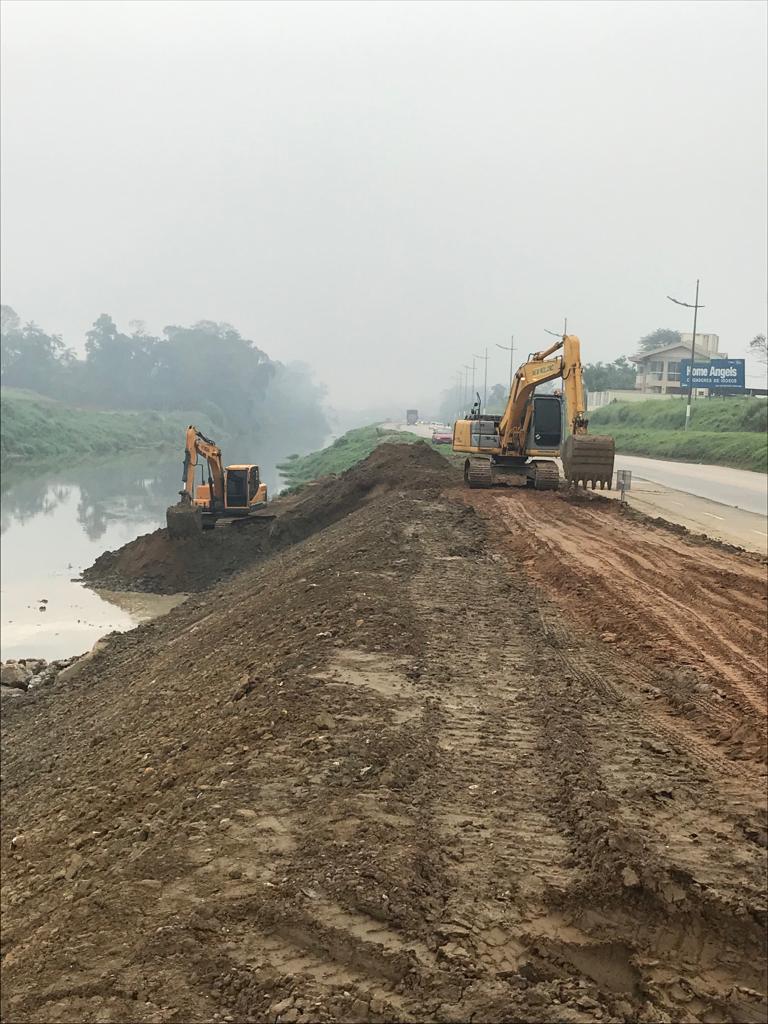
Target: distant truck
[(411, 416)]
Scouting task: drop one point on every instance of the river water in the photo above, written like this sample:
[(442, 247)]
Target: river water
[(55, 522)]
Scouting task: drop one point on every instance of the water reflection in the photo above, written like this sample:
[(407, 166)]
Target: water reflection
[(56, 519), (130, 489)]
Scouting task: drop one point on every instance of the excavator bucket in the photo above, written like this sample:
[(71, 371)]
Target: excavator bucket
[(184, 521), (588, 459)]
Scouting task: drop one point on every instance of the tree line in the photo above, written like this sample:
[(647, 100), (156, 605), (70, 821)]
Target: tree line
[(208, 367)]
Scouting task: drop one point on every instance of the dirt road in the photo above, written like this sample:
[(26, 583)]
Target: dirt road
[(452, 756)]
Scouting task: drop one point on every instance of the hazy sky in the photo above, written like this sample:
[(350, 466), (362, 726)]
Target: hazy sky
[(382, 189)]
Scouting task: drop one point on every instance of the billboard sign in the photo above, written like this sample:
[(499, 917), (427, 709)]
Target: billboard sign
[(719, 373)]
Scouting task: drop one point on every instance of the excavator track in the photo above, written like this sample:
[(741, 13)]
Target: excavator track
[(543, 475), (588, 459), (478, 473)]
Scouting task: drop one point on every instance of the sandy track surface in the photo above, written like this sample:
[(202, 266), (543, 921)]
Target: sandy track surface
[(451, 757)]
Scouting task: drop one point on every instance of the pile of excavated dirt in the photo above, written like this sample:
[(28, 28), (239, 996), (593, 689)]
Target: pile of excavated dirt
[(157, 563), (422, 765)]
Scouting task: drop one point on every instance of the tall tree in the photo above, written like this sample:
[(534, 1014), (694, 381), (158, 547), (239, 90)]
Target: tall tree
[(30, 358), (759, 348), (660, 338), (619, 375)]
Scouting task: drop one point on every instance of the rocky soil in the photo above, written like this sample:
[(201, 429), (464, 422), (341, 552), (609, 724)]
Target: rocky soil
[(20, 680), (433, 756)]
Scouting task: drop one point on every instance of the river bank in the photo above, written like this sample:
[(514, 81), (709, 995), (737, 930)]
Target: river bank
[(39, 428), (56, 521)]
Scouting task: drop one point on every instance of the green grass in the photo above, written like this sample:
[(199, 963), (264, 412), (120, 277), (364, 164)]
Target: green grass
[(707, 414), (739, 449), (37, 428), (723, 431), (342, 454)]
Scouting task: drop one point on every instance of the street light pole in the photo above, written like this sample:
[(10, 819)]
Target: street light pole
[(695, 307), (485, 377), (466, 380), (511, 350)]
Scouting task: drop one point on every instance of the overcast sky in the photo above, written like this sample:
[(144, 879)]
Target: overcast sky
[(383, 189)]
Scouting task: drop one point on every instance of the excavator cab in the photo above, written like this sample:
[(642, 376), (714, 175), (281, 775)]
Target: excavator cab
[(243, 489), (545, 433)]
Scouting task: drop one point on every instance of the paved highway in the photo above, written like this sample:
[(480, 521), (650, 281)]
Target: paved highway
[(735, 487)]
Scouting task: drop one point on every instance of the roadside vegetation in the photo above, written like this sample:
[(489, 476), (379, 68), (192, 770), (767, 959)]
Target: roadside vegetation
[(38, 428), (342, 454), (209, 366), (723, 432)]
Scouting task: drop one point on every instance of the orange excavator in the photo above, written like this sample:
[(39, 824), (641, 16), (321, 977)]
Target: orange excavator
[(518, 448), (231, 492)]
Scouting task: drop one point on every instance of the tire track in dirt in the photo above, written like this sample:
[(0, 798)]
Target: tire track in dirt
[(488, 736), (653, 609)]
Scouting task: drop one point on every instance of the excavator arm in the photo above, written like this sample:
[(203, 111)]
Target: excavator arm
[(515, 421), (586, 458), (197, 443), (185, 519)]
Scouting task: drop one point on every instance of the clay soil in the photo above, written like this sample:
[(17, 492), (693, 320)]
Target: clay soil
[(435, 755)]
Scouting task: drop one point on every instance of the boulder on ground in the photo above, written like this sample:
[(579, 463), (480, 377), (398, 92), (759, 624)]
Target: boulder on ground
[(10, 693), (15, 675)]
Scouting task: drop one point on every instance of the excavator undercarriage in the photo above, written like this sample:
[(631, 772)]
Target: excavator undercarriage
[(541, 474)]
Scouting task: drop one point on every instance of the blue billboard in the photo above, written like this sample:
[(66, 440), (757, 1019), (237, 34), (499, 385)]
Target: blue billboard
[(719, 373)]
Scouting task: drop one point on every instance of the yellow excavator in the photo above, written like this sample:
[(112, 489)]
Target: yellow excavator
[(231, 492), (517, 449)]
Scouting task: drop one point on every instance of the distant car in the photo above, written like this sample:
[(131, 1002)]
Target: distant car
[(442, 436)]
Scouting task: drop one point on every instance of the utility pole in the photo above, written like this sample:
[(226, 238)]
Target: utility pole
[(485, 378), (466, 382), (695, 307), (511, 350)]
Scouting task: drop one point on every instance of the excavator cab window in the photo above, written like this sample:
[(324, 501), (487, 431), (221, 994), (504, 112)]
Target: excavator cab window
[(237, 488), (253, 482), (547, 423)]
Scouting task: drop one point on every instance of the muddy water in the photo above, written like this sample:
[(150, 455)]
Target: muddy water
[(55, 522)]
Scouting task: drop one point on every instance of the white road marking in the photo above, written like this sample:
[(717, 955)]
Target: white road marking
[(712, 515), (760, 533)]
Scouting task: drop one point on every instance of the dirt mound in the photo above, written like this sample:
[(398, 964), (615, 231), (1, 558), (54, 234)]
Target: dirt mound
[(160, 565), (390, 775)]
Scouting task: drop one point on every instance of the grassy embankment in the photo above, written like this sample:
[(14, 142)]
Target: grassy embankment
[(723, 432), (38, 428), (342, 454)]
